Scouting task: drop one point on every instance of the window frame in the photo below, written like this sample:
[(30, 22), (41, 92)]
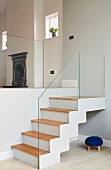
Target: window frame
[(4, 40), (48, 24)]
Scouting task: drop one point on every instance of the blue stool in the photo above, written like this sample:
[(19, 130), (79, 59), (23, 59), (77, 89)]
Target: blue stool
[(93, 141)]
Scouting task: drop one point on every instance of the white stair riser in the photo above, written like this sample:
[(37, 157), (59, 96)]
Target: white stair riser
[(30, 159), (69, 131), (38, 143), (58, 145), (49, 159), (48, 129), (66, 104), (57, 116)]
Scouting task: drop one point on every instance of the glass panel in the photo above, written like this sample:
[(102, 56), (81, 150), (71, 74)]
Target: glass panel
[(63, 85), (92, 75), (82, 76), (54, 22)]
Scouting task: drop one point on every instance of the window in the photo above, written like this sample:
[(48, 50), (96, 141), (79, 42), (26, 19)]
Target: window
[(51, 21), (4, 40)]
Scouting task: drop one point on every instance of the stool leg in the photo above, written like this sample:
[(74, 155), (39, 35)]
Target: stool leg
[(99, 148), (88, 148)]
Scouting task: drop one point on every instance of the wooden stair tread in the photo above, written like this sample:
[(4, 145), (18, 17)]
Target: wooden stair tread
[(64, 98), (72, 97), (56, 109), (29, 149), (49, 122), (39, 135)]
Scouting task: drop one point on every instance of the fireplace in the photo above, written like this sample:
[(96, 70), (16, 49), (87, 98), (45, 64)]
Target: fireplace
[(19, 69)]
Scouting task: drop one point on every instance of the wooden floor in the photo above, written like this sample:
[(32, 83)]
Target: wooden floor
[(75, 159)]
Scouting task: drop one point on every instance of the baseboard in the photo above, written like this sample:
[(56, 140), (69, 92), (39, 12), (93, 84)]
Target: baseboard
[(106, 143), (73, 139), (81, 138), (6, 155)]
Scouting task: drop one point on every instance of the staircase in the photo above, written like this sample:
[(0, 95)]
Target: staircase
[(53, 131)]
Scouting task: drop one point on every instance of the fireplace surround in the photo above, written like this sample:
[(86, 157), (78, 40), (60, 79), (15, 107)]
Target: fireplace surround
[(19, 69)]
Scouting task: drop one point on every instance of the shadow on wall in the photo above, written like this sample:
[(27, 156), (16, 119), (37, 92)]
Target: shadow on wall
[(94, 125)]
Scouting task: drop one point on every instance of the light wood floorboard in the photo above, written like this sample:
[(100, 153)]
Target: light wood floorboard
[(78, 158)]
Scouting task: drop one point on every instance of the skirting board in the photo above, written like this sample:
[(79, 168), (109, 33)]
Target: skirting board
[(9, 154), (6, 155), (73, 139), (106, 143)]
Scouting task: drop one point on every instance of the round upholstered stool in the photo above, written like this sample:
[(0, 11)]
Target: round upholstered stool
[(93, 141)]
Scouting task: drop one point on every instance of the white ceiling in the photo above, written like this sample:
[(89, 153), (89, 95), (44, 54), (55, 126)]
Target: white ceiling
[(4, 4)]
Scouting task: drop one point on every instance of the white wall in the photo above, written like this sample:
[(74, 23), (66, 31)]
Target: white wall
[(53, 60), (38, 20), (3, 64), (50, 7), (26, 18), (92, 75), (3, 68), (17, 108), (89, 21), (38, 44), (53, 57), (3, 25), (38, 63), (20, 26), (3, 54), (20, 19), (19, 45)]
